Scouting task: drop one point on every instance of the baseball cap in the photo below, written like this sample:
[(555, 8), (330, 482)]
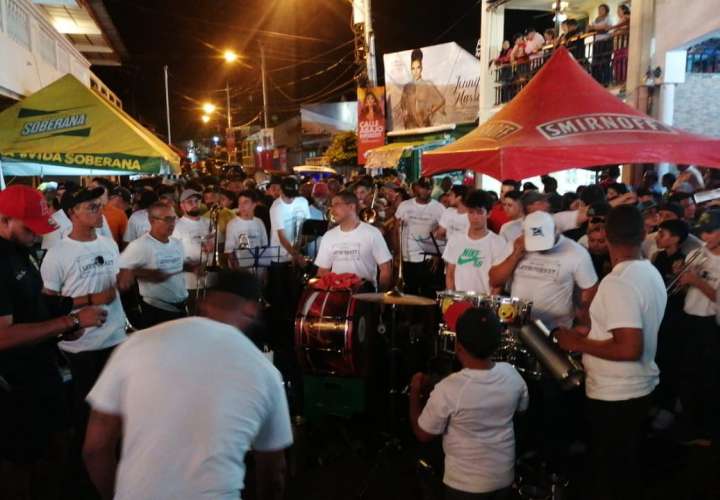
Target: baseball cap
[(189, 193), (123, 193), (598, 209), (28, 205), (539, 231), (72, 199), (708, 222), (425, 183), (320, 190), (530, 197), (289, 186), (674, 208)]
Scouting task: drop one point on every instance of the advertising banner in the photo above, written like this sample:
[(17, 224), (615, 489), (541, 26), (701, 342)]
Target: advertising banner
[(430, 86), (371, 120)]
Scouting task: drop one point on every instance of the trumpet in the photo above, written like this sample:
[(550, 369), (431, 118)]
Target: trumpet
[(369, 214)]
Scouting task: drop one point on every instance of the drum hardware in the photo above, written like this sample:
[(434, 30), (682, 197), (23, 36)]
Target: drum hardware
[(561, 365)]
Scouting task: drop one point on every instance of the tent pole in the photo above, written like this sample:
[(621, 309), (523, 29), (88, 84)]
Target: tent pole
[(2, 177)]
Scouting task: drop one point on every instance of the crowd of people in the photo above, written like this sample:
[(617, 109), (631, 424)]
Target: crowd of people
[(138, 295), (605, 57)]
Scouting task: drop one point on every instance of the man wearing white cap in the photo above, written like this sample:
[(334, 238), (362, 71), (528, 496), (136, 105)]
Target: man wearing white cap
[(545, 268)]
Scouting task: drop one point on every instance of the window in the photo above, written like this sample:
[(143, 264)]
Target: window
[(18, 23), (46, 47)]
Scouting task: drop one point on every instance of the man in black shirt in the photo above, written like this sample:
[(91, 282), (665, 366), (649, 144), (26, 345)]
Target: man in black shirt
[(669, 261), (31, 395)]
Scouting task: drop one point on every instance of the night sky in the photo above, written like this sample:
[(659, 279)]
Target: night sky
[(189, 36)]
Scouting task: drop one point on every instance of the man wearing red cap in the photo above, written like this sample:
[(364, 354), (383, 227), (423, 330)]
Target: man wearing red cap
[(31, 389)]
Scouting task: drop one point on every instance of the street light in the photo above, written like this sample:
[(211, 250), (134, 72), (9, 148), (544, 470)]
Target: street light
[(230, 56), (208, 108)]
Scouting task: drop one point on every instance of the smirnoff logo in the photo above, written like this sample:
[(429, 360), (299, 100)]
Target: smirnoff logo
[(599, 123)]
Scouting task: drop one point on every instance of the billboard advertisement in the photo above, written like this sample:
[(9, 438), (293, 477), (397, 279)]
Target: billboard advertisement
[(371, 120), (430, 86)]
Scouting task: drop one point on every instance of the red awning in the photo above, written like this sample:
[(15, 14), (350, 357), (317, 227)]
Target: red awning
[(564, 119)]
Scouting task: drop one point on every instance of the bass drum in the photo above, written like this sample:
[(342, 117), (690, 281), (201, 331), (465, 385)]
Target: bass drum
[(333, 332)]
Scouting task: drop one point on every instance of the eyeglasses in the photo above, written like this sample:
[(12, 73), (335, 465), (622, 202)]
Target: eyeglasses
[(170, 219)]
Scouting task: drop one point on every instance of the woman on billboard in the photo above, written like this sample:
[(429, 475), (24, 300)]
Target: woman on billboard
[(371, 109), (420, 98)]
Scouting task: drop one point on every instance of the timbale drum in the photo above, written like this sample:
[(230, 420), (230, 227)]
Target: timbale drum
[(333, 332)]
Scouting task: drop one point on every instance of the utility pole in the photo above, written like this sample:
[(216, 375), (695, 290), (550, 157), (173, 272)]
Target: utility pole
[(264, 86), (362, 21), (229, 135), (167, 107)]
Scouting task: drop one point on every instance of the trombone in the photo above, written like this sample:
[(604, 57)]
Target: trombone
[(369, 214), (208, 262)]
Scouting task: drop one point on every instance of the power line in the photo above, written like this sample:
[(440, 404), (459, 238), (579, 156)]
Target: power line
[(457, 21)]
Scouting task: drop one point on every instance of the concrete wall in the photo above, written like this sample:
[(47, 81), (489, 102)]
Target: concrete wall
[(697, 107), (681, 23), (24, 70)]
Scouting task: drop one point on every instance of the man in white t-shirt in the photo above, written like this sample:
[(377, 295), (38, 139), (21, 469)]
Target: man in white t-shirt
[(139, 222), (534, 201), (156, 261), (473, 410), (619, 357), (188, 399), (287, 216), (454, 219), (700, 392), (193, 231), (419, 217), (470, 254), (245, 234), (84, 266), (354, 246), (545, 268), (64, 226)]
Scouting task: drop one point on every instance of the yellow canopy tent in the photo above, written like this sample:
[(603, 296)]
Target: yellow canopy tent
[(68, 129)]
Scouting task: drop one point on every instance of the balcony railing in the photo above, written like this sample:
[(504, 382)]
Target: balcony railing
[(603, 56)]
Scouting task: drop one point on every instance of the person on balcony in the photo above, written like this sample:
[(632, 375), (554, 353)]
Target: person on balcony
[(573, 41), (620, 44), (550, 37), (534, 42), (602, 46)]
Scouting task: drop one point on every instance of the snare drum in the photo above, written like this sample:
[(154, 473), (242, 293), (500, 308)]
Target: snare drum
[(332, 332)]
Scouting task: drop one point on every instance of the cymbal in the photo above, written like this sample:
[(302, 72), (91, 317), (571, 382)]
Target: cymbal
[(394, 298)]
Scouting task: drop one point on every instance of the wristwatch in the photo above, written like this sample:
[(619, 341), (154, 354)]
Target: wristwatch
[(76, 322)]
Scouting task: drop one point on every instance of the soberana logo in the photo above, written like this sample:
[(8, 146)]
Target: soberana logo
[(46, 125)]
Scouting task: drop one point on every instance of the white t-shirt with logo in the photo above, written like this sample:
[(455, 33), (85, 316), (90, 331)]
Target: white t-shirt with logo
[(359, 251), (289, 217), (631, 296), (138, 224), (454, 222), (191, 234), (257, 238), (74, 268), (707, 266), (148, 253), (548, 279), (420, 220), (473, 410), (473, 260), (194, 395), (64, 227)]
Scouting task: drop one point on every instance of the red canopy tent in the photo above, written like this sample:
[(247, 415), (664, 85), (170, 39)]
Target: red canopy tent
[(564, 119)]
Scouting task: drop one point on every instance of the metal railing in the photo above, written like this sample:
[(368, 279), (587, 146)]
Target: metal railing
[(705, 57), (604, 56)]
